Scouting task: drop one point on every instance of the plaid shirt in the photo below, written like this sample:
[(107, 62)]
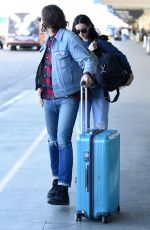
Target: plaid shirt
[(47, 89)]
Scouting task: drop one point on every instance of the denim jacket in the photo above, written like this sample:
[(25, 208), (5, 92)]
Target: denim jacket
[(70, 59)]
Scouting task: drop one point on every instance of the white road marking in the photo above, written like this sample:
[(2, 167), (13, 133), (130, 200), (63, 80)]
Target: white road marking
[(14, 99), (21, 161)]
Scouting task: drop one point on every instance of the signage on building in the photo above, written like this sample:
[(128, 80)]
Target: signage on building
[(129, 15)]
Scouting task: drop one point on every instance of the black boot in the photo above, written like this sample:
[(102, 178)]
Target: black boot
[(61, 197), (52, 191)]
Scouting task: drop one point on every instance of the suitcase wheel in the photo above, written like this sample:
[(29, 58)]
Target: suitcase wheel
[(118, 209), (78, 217), (105, 219)]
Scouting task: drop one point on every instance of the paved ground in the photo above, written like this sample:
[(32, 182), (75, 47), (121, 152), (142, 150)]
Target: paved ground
[(23, 141)]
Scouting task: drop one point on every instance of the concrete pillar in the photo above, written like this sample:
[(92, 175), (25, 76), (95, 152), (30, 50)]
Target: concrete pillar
[(144, 41), (148, 45)]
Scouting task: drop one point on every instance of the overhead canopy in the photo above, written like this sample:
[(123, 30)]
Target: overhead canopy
[(97, 12)]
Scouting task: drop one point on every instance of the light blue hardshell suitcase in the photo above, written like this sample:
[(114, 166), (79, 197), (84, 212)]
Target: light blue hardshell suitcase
[(98, 174)]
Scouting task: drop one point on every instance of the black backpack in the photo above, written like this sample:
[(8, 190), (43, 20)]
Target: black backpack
[(111, 75)]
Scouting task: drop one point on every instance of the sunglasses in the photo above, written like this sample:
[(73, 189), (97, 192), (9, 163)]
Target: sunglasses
[(83, 31)]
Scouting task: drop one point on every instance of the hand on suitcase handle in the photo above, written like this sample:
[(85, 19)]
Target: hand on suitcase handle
[(83, 83), (87, 80)]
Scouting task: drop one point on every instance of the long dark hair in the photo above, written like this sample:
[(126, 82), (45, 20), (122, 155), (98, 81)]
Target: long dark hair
[(81, 18), (53, 17)]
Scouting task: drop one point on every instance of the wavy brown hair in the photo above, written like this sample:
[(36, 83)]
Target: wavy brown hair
[(53, 17)]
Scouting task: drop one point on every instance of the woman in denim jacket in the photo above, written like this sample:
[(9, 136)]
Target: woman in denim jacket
[(84, 27), (64, 60)]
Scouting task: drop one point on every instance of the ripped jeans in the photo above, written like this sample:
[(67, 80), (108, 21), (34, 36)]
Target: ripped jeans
[(60, 116)]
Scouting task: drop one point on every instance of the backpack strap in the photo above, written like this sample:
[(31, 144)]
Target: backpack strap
[(107, 97)]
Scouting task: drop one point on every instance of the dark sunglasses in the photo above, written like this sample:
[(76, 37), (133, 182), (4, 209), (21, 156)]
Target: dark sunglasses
[(83, 31)]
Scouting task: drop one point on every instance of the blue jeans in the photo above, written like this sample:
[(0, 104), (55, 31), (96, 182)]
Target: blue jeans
[(100, 110), (60, 116)]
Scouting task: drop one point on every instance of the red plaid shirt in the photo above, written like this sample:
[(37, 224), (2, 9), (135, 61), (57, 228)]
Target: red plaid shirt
[(47, 89)]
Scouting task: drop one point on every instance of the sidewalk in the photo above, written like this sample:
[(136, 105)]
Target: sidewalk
[(23, 203)]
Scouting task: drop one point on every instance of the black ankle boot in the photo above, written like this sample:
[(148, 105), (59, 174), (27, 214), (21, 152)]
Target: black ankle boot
[(61, 197), (52, 191)]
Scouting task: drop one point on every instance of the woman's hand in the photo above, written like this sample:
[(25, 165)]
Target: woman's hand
[(92, 46), (39, 90), (131, 77)]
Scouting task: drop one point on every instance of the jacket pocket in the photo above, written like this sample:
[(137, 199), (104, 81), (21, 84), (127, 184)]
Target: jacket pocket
[(63, 62), (62, 54)]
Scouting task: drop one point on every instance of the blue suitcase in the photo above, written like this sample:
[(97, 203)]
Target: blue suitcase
[(98, 174)]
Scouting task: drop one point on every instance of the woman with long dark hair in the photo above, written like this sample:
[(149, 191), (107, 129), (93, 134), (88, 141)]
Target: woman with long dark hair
[(84, 28)]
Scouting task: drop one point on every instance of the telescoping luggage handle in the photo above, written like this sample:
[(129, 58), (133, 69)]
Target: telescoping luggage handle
[(85, 113)]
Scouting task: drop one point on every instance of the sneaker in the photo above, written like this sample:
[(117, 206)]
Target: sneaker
[(52, 191), (61, 197)]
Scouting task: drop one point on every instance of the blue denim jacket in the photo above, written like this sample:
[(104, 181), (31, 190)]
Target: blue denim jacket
[(70, 59)]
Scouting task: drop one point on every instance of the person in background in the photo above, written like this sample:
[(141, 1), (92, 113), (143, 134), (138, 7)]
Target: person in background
[(64, 64), (84, 28)]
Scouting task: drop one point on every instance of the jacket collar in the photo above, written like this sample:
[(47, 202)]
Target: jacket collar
[(59, 34)]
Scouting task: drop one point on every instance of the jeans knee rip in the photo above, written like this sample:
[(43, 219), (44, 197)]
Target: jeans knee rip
[(64, 146), (52, 142)]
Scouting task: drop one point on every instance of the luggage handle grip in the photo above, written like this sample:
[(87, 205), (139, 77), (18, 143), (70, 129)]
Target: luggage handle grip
[(83, 83)]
